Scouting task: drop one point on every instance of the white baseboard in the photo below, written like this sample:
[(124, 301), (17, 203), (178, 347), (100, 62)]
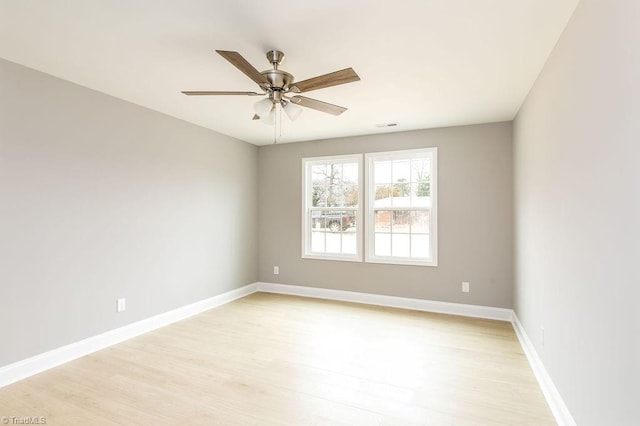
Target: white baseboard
[(475, 311), (28, 367), (554, 399)]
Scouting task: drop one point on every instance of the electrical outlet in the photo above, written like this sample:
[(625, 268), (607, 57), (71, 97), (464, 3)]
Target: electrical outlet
[(121, 305), (465, 287), (276, 270)]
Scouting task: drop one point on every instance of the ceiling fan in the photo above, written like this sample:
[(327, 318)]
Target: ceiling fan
[(277, 84)]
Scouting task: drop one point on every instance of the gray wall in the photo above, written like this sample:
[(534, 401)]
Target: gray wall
[(475, 218), (577, 186), (101, 199)]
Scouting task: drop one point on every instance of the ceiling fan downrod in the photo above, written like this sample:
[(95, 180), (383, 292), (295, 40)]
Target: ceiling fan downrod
[(275, 57)]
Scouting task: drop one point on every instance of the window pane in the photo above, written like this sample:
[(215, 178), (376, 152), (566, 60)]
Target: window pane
[(333, 242), (382, 221), (413, 190), (420, 222), (419, 169), (349, 243), (401, 221), (400, 245), (383, 196), (420, 246), (319, 195), (317, 241), (319, 185), (318, 172), (401, 171), (420, 195), (382, 245), (424, 187), (422, 178), (348, 221), (382, 172), (335, 194), (350, 173), (317, 220), (401, 190), (350, 195)]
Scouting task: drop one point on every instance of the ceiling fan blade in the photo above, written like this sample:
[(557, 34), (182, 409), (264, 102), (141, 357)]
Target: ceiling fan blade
[(317, 105), (243, 65), (346, 75), (205, 93)]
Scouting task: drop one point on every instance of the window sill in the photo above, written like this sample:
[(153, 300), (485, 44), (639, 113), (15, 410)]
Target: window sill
[(332, 257), (402, 261)]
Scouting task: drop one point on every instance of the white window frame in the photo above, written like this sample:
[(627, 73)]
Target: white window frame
[(369, 215), (307, 164)]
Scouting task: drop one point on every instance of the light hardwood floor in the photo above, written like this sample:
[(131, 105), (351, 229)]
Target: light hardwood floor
[(281, 360)]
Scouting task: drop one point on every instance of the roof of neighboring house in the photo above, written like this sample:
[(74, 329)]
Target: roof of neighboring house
[(407, 201)]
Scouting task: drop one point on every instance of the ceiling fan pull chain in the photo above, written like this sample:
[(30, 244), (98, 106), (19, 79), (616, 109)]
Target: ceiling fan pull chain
[(275, 124), (280, 123)]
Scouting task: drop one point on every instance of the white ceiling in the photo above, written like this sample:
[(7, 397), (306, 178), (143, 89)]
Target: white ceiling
[(422, 63)]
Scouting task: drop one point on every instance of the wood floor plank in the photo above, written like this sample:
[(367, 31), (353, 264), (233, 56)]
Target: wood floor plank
[(280, 360)]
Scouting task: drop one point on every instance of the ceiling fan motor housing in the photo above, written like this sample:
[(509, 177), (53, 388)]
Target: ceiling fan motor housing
[(279, 80)]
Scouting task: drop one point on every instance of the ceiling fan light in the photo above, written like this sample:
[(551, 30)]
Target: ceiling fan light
[(263, 107), (292, 111), (269, 118)]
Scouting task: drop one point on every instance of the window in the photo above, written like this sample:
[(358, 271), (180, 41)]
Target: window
[(402, 207), (332, 208)]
